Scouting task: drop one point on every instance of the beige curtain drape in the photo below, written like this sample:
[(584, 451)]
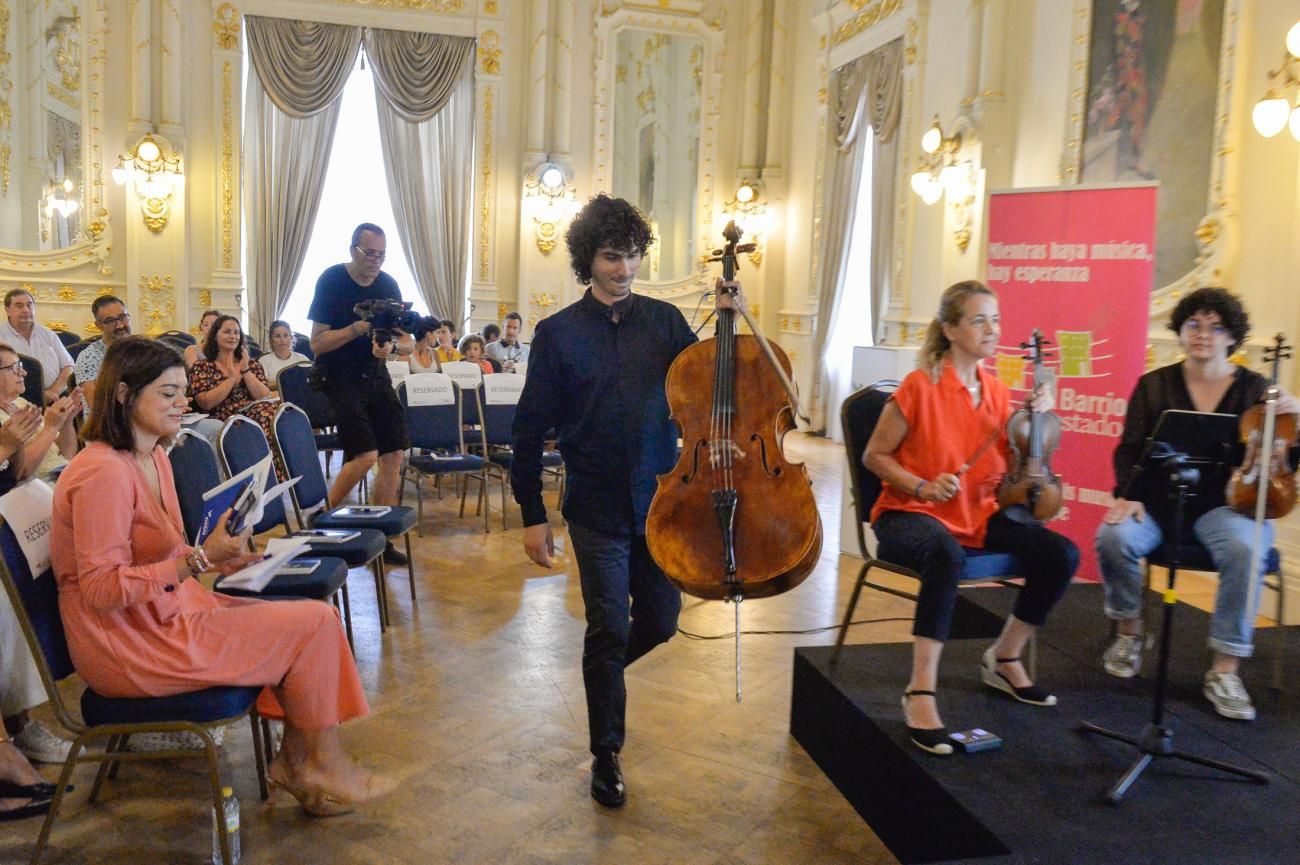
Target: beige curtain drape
[(866, 103), (299, 69), (424, 91)]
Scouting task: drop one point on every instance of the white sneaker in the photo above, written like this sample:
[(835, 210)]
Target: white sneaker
[(42, 745), (1124, 657), (1229, 696), (182, 740)]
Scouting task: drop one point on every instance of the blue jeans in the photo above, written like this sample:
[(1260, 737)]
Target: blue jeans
[(1226, 535), (631, 608), (920, 542)]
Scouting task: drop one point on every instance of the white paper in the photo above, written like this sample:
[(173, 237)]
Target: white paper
[(254, 577), (27, 509)]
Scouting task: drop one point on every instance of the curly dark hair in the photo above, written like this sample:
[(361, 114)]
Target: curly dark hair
[(605, 221), (1222, 303)]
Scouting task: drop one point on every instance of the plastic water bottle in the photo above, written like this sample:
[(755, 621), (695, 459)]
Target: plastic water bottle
[(227, 821)]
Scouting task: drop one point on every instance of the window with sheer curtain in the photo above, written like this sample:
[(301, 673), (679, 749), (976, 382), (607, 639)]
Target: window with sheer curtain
[(853, 325), (355, 192)]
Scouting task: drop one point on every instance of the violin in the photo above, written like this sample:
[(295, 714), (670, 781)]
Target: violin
[(1261, 423), (733, 519), (1032, 436)]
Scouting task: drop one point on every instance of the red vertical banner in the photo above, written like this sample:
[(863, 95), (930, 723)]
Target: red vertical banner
[(1078, 265)]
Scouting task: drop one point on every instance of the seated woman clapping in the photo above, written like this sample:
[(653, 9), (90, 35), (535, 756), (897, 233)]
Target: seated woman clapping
[(934, 504), (226, 381), (31, 443), (140, 625)]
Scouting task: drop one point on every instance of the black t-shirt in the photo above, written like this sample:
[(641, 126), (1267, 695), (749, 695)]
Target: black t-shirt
[(336, 293)]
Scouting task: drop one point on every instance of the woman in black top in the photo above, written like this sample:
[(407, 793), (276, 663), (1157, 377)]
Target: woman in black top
[(1211, 324)]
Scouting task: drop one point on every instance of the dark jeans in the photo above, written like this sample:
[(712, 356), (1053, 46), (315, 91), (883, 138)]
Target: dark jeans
[(920, 542), (631, 608)]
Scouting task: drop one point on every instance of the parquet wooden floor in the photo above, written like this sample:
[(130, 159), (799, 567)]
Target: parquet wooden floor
[(477, 701)]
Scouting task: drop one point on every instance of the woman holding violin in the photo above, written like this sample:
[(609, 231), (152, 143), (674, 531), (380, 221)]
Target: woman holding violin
[(1211, 323), (930, 450)]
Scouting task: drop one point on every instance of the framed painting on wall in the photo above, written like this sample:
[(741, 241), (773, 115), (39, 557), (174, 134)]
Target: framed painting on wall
[(1153, 75)]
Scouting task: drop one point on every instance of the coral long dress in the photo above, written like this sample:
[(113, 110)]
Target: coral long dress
[(134, 632)]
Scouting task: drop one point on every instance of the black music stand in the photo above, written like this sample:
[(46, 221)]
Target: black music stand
[(1185, 458)]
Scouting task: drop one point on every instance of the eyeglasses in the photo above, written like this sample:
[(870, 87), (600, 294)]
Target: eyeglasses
[(16, 368), (114, 321), (372, 254)]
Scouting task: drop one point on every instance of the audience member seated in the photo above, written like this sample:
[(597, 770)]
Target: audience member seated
[(195, 352), (225, 381), (140, 625), (282, 353), (446, 342), (21, 689), (471, 348), (114, 322), (46, 446), (491, 333), (425, 356), (508, 350), (27, 337)]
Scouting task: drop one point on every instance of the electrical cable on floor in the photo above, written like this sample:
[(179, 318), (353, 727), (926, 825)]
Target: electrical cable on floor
[(731, 634)]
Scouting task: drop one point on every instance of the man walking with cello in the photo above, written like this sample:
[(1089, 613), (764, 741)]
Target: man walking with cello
[(596, 376)]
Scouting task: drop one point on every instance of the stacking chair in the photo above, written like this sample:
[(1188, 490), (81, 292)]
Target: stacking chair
[(293, 441), (34, 383), (434, 424), (500, 398), (468, 378), (195, 469), (292, 382), (67, 337), (36, 602), (859, 415), (1195, 557)]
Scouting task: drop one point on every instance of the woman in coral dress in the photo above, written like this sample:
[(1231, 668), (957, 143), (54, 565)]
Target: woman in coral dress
[(138, 625)]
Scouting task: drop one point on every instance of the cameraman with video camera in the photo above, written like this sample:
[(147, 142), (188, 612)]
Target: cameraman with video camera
[(351, 348)]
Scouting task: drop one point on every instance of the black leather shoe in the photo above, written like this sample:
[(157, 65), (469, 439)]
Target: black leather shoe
[(394, 556), (607, 781)]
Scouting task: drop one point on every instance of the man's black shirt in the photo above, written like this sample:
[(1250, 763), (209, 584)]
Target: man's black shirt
[(599, 383), (336, 293)]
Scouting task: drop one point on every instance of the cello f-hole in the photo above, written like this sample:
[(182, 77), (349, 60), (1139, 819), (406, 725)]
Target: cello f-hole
[(695, 461), (770, 471)]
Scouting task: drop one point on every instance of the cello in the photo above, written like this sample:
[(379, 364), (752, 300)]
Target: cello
[(733, 520), (1031, 437)]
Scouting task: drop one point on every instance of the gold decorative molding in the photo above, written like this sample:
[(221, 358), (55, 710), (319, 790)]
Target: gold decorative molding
[(542, 299), (502, 309), (489, 53), (547, 232), (57, 324), (6, 90), (909, 42), (416, 5), (225, 27), (485, 207), (227, 167), (489, 7), (870, 18), (205, 298), (157, 303)]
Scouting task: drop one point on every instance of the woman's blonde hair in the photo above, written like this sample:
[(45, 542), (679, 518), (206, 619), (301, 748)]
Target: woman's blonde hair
[(951, 306)]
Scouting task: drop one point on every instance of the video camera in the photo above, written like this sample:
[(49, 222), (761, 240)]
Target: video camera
[(386, 316)]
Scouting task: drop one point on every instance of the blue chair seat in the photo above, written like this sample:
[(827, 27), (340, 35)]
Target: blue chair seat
[(397, 521), (321, 584), (200, 707), (430, 465), (1197, 558), (506, 458), (356, 552), (327, 442), (989, 565)]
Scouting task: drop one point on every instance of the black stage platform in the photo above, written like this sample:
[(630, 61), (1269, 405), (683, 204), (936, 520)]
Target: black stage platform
[(1040, 798)]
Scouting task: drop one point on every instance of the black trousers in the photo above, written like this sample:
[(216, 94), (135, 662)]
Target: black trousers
[(920, 542), (631, 608)]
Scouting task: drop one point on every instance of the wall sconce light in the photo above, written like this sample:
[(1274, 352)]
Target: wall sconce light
[(155, 168), (749, 212), (941, 171), (549, 196), (1271, 112)]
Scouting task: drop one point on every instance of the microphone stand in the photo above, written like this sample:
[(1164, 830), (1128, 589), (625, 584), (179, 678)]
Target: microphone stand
[(1157, 739)]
